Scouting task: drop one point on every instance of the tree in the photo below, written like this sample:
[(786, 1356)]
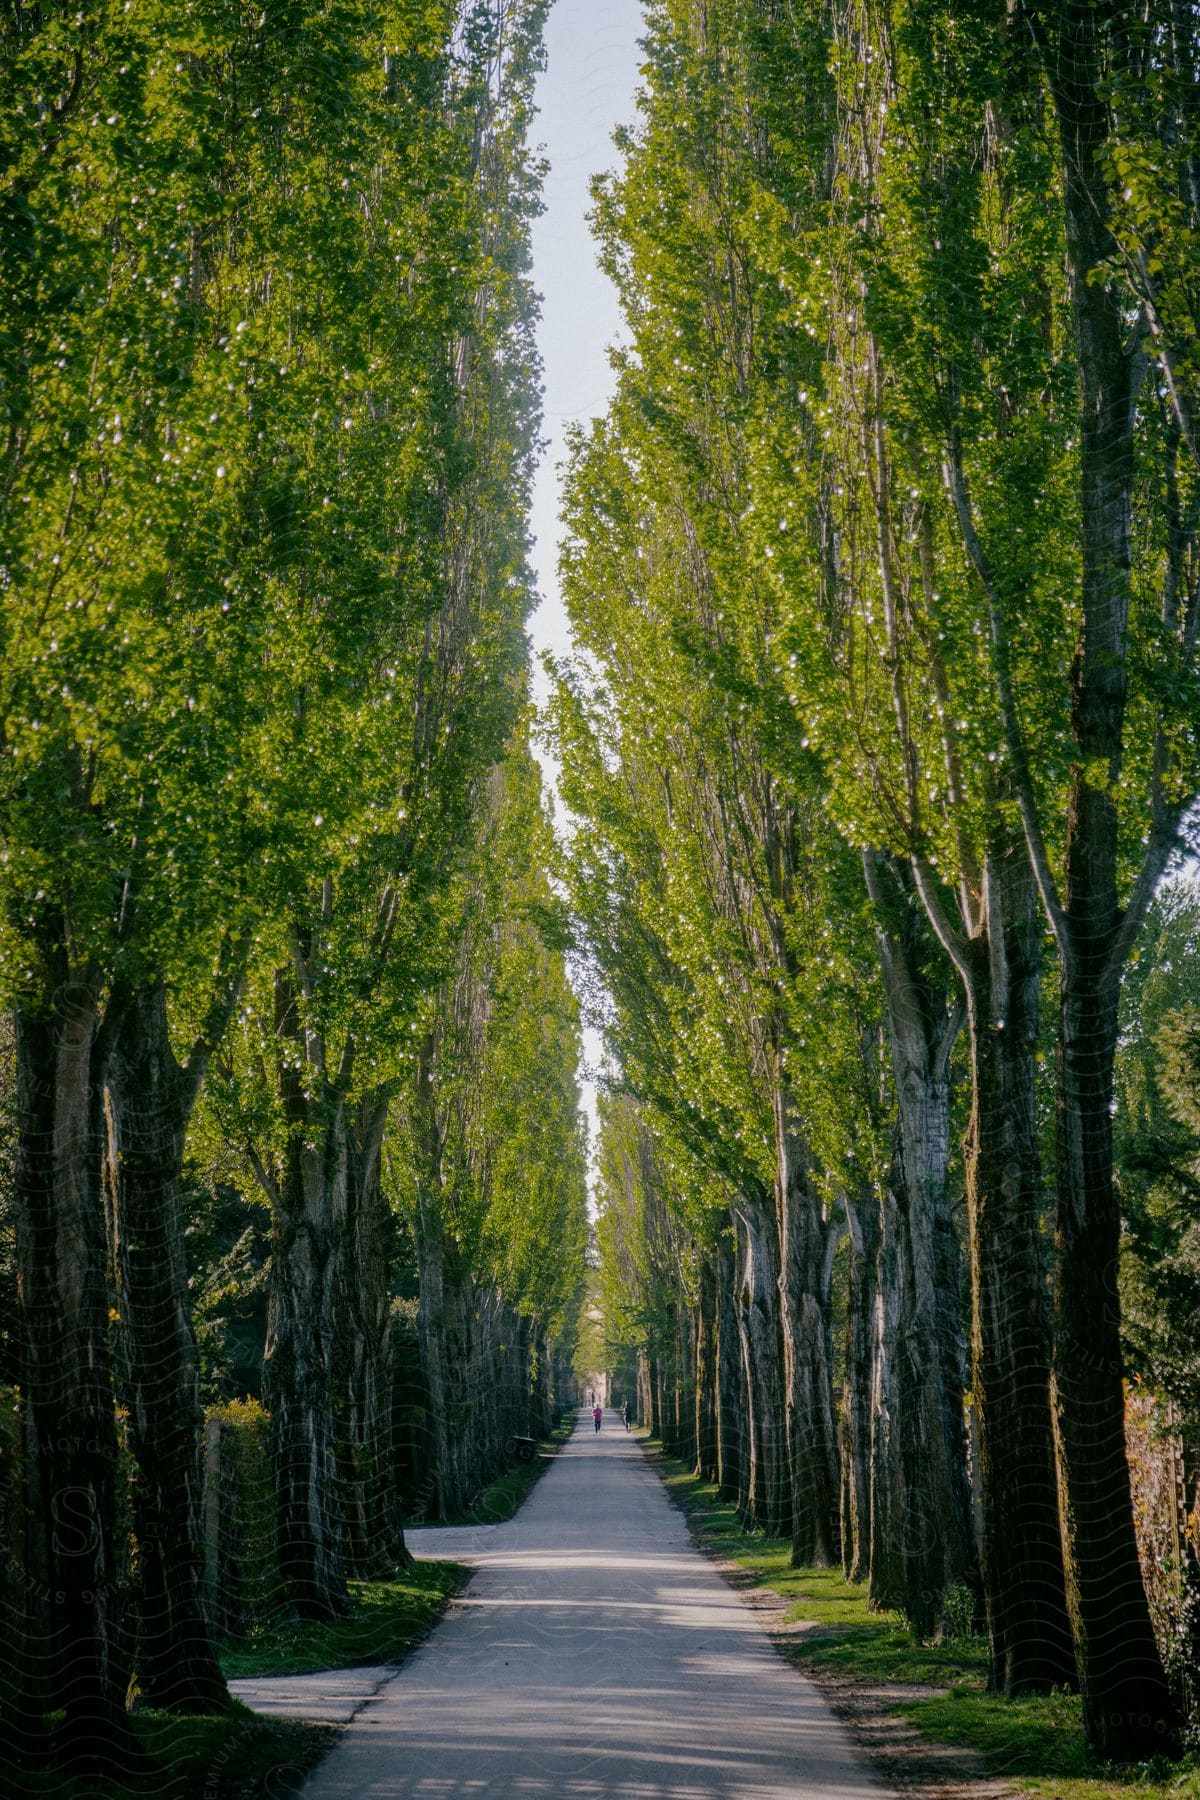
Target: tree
[(234, 464), (699, 419), (488, 1154), (366, 920)]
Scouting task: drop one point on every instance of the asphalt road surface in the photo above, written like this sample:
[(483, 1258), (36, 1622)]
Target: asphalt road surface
[(595, 1653)]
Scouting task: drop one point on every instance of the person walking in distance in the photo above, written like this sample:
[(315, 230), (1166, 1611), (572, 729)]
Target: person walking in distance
[(627, 1415), (597, 1415)]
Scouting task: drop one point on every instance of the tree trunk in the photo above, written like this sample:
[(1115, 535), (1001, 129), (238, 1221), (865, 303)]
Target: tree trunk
[(149, 1101), (374, 1537), (685, 1385), (442, 1328), (862, 1219), (704, 1324), (1127, 1708), (762, 1365), (1024, 1594), (308, 1222), (936, 1519), (645, 1392), (887, 1562), (732, 1408), (68, 1425), (804, 1282)]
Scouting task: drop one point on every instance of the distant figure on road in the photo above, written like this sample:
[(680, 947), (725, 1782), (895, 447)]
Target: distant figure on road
[(597, 1415), (627, 1415)]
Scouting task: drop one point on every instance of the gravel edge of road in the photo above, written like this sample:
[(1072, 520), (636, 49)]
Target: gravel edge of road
[(912, 1764)]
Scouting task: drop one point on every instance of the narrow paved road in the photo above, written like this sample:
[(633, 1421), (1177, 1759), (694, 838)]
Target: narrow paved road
[(595, 1653)]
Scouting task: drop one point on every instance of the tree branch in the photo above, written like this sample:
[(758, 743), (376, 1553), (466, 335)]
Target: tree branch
[(232, 962), (953, 942), (1018, 754)]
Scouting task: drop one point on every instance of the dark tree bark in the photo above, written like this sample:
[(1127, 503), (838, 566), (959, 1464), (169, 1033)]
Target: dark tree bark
[(543, 1380), (308, 1222), (684, 1385), (654, 1390), (374, 1537), (705, 1326), (1021, 1553), (768, 1497), (1128, 1711), (732, 1398), (1127, 1707), (68, 1424), (887, 1591), (928, 1429), (645, 1391), (149, 1100), (862, 1220), (805, 1276), (441, 1313)]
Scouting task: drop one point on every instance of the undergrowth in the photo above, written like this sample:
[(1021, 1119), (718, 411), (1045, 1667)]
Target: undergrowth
[(501, 1498), (385, 1620), (1036, 1744)]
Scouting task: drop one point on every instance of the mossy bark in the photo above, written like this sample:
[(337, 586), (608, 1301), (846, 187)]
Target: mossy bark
[(149, 1099)]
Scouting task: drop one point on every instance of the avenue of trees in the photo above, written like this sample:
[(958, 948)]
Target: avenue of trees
[(881, 743), (289, 1026)]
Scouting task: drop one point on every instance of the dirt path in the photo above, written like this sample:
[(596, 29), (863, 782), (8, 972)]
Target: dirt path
[(596, 1652)]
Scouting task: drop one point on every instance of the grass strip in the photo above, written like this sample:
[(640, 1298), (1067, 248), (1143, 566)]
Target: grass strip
[(1036, 1744), (246, 1757), (385, 1620), (502, 1497), (238, 1757)]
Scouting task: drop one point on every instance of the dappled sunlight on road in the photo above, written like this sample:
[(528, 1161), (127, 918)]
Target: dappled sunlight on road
[(595, 1653)]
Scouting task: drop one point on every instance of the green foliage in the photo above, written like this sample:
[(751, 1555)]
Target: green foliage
[(238, 1757), (211, 348), (1158, 1152), (247, 1589), (833, 571), (723, 915), (503, 1047), (386, 1619), (228, 1244), (1036, 1745)]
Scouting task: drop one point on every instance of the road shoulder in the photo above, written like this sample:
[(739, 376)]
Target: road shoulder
[(900, 1755)]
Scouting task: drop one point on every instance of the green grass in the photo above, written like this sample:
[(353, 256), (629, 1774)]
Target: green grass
[(240, 1757), (501, 1498), (1039, 1743), (386, 1619), (1036, 1744), (243, 1756)]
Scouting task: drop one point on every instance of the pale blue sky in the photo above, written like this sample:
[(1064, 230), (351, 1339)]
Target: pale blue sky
[(586, 91)]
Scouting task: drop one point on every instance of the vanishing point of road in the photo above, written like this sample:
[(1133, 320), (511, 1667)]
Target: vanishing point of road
[(595, 1653)]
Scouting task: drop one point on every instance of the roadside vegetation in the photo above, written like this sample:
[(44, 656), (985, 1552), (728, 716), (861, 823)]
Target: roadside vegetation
[(879, 739), (881, 743), (386, 1618), (847, 1647), (238, 1757), (500, 1499), (288, 1099)]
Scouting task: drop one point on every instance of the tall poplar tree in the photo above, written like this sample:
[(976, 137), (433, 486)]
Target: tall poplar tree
[(253, 417)]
